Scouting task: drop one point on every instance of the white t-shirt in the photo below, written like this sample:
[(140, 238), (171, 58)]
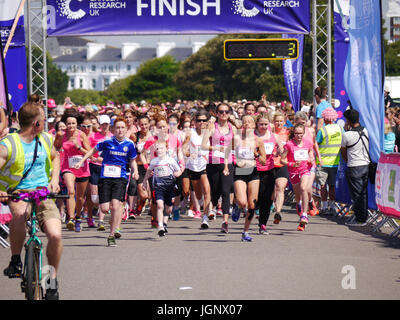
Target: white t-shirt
[(358, 154)]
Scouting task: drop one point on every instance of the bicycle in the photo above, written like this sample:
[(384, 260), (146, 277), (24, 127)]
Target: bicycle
[(31, 283)]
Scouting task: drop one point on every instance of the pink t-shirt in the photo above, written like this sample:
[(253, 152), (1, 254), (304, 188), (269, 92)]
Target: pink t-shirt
[(270, 149), (94, 138), (173, 144), (71, 156), (220, 140), (297, 153)]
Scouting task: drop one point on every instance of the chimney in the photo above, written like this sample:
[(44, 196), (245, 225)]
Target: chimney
[(94, 48), (196, 46), (128, 48), (164, 47)]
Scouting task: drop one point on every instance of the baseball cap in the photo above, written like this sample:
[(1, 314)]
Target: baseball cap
[(104, 119)]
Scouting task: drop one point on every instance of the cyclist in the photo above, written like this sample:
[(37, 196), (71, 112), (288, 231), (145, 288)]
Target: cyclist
[(16, 158)]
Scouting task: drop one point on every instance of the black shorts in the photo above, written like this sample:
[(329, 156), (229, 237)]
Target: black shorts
[(94, 174), (81, 179), (112, 188), (165, 193), (252, 174), (282, 172), (193, 175)]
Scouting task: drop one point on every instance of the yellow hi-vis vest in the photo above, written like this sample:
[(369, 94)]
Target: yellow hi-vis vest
[(329, 148), (11, 173)]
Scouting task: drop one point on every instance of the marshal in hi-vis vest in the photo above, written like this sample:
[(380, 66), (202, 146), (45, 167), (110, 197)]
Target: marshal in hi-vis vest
[(329, 148), (11, 173)]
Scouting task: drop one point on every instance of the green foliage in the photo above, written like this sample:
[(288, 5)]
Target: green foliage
[(392, 57), (83, 97), (57, 80), (154, 81)]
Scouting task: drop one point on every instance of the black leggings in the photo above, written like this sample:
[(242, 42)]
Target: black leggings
[(267, 185), (220, 185)]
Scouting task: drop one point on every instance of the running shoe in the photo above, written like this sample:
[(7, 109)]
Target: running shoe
[(78, 225), (52, 292), (161, 232), (304, 219), (90, 223), (263, 229), (117, 233), (165, 228), (71, 225), (111, 241), (197, 215), (212, 214), (246, 237), (204, 223), (235, 213), (301, 227), (132, 215), (14, 270), (277, 218), (175, 214), (219, 210), (224, 227), (303, 223), (100, 226), (190, 213)]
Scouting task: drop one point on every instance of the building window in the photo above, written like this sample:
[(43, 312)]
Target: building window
[(81, 83), (93, 67), (83, 68), (93, 83), (106, 83), (72, 83), (128, 67), (111, 68)]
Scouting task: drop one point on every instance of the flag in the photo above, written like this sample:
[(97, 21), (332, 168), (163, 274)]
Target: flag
[(293, 72), (3, 82), (364, 70)]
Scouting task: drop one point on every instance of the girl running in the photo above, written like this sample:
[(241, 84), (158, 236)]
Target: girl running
[(218, 140), (267, 173), (298, 156), (248, 147), (281, 171), (75, 144)]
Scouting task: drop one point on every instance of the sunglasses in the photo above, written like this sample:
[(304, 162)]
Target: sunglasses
[(173, 123), (201, 120), (223, 111), (86, 126)]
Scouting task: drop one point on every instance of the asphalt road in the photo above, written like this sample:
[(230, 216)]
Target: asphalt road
[(327, 261)]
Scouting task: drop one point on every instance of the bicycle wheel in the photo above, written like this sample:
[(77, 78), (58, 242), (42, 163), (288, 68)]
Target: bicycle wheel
[(33, 289)]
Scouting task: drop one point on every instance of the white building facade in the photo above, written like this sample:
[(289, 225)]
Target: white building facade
[(97, 66)]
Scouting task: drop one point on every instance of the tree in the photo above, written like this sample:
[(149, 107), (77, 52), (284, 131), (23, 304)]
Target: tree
[(154, 81), (206, 75), (83, 97), (57, 80), (392, 56)]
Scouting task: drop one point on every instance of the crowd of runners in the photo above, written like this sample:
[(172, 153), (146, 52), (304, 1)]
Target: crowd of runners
[(196, 158)]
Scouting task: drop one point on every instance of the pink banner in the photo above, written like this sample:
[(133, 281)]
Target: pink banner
[(387, 186)]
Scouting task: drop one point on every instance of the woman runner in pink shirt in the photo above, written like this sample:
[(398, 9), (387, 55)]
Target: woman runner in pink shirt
[(298, 156)]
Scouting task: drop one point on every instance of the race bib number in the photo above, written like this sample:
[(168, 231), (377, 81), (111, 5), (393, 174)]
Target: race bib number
[(301, 155), (112, 171), (217, 153), (72, 161), (161, 171), (200, 161), (246, 153), (269, 147)]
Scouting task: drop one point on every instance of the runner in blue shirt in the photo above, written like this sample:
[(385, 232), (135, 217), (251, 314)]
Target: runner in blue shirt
[(117, 152)]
